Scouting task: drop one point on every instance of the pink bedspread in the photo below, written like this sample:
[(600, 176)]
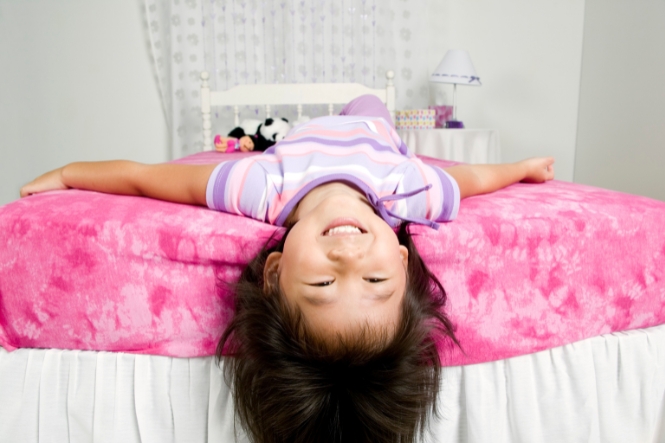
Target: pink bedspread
[(527, 268)]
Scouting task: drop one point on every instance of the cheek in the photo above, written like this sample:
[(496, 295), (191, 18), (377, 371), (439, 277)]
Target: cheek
[(389, 248), (402, 286), (299, 260), (288, 267), (294, 253), (395, 256)]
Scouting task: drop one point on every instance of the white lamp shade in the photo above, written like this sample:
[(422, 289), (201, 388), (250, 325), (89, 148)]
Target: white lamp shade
[(456, 67)]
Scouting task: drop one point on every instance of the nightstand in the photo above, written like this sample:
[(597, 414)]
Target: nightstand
[(460, 145)]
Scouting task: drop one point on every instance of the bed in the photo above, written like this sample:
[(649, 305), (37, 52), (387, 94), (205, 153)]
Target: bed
[(110, 312)]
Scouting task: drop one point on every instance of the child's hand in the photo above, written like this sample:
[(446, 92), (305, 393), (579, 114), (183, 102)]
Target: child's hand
[(538, 170), (246, 144), (51, 181)]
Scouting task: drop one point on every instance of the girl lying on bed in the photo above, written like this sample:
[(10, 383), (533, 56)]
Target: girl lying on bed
[(336, 325)]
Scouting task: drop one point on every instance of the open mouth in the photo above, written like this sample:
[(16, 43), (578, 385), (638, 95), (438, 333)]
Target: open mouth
[(344, 226), (342, 230)]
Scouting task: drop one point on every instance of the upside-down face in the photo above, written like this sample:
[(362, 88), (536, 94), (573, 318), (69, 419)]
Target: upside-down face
[(342, 264)]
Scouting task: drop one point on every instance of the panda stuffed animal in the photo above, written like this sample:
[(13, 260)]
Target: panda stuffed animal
[(262, 134)]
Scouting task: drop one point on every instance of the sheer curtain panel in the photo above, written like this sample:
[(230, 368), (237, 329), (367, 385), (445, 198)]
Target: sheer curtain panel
[(280, 41)]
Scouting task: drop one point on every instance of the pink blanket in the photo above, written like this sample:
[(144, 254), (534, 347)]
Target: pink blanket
[(527, 268)]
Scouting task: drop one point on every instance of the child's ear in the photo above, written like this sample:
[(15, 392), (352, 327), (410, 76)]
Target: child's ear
[(271, 271), (404, 255)]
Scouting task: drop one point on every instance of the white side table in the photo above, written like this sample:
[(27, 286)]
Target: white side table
[(461, 145)]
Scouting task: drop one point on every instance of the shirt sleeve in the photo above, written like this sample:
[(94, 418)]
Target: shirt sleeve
[(450, 196), (215, 190), (241, 187)]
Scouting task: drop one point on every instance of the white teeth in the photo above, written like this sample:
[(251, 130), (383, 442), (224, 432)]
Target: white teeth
[(346, 229)]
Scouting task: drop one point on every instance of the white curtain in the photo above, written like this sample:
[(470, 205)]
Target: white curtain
[(280, 41)]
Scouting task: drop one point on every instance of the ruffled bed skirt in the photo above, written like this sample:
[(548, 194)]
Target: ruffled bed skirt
[(605, 389)]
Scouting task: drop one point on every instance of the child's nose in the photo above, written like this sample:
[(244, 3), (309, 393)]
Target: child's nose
[(347, 254)]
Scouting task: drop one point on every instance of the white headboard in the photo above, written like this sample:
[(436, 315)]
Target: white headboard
[(287, 94)]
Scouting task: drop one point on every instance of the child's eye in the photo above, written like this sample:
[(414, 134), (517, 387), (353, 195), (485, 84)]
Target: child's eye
[(375, 280), (323, 283)]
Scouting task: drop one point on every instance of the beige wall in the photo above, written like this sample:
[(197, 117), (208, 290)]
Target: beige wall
[(76, 83), (528, 55), (54, 56), (621, 135)]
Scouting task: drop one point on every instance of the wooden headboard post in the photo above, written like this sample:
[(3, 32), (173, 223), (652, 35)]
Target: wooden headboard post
[(286, 94)]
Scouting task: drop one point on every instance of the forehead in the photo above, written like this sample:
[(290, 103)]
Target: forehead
[(339, 322)]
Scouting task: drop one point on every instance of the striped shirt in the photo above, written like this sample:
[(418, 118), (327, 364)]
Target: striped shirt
[(363, 151)]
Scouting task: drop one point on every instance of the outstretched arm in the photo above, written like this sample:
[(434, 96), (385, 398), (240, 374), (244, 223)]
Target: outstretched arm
[(166, 181), (481, 179)]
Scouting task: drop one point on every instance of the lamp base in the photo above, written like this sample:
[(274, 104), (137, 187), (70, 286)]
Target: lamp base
[(454, 124)]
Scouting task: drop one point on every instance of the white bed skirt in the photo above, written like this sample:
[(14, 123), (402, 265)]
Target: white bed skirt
[(605, 389)]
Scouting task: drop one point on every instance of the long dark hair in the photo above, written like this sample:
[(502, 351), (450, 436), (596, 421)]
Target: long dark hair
[(292, 385)]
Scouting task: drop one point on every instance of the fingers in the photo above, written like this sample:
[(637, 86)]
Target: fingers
[(550, 172), (25, 191), (549, 168), (50, 181), (30, 189), (539, 169)]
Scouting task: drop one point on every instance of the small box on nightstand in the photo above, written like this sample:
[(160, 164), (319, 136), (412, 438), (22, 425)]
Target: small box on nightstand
[(415, 119)]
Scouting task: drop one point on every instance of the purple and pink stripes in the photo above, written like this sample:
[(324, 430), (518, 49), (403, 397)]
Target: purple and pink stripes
[(363, 151)]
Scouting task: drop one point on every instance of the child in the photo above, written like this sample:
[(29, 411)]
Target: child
[(335, 326)]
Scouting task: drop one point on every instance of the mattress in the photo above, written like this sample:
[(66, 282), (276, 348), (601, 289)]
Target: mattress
[(527, 268), (605, 389)]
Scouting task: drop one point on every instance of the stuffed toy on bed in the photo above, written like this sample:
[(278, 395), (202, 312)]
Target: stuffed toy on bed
[(261, 134)]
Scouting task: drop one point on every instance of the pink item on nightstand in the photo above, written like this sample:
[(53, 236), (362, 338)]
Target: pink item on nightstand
[(443, 114)]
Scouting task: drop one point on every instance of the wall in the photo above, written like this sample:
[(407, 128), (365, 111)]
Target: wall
[(528, 56), (621, 135), (76, 83)]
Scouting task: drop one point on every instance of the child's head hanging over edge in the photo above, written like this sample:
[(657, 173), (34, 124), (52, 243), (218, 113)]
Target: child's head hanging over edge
[(334, 335)]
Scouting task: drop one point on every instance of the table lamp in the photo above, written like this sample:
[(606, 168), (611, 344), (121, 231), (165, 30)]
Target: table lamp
[(455, 68)]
